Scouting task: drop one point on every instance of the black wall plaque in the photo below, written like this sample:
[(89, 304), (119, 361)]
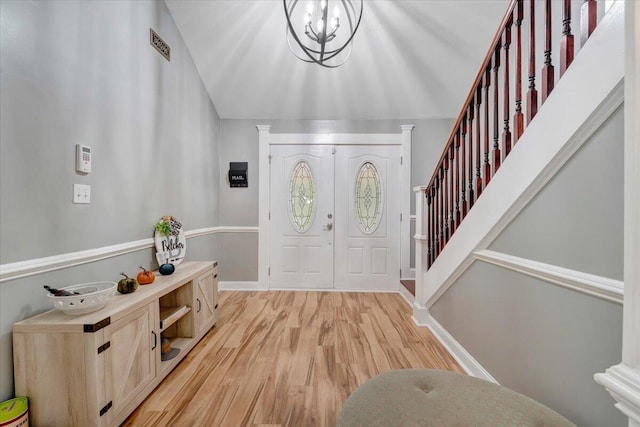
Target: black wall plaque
[(238, 174)]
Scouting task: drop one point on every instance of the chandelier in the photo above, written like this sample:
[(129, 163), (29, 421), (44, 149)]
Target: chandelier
[(329, 27)]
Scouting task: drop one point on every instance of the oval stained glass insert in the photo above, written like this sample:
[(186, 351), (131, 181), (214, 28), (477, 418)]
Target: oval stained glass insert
[(302, 197), (368, 198)]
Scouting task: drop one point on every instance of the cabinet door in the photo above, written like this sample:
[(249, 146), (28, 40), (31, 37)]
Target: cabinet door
[(205, 300), (130, 362)]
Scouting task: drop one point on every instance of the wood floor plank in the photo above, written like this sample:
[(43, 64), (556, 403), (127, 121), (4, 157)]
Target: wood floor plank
[(288, 359)]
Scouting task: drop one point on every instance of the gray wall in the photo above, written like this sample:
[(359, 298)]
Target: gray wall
[(576, 222), (84, 72), (535, 337), (239, 206)]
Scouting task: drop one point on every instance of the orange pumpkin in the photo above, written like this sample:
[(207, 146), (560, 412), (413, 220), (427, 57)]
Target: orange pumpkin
[(145, 276)]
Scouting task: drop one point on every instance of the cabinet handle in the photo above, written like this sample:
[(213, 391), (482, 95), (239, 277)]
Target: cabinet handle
[(155, 340), (199, 305)]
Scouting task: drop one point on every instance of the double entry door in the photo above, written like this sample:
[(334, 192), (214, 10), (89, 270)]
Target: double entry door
[(335, 217)]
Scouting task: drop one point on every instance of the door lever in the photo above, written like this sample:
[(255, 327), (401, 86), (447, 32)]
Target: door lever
[(328, 227)]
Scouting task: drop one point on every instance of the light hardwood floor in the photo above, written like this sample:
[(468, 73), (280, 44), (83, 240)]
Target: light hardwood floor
[(289, 359)]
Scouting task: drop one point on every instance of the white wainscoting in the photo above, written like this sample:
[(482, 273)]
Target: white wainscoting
[(17, 270)]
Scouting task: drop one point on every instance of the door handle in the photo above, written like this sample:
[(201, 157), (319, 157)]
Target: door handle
[(328, 227)]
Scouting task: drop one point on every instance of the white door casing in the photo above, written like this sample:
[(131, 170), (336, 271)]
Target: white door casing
[(266, 140)]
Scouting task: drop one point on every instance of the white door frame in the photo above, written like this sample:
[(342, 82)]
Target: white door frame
[(266, 139)]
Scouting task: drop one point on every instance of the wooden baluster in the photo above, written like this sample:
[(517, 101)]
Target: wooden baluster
[(445, 188), (427, 194), (487, 166), (453, 190), (518, 117), (470, 156), (434, 221), (532, 93), (566, 45), (463, 171), (548, 69), (457, 156), (478, 164), (496, 127), (441, 219), (436, 198), (588, 19), (506, 134)]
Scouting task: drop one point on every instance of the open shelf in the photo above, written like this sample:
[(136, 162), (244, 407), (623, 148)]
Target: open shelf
[(180, 343), (169, 315)]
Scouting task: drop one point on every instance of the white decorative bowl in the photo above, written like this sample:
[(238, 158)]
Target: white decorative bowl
[(93, 296)]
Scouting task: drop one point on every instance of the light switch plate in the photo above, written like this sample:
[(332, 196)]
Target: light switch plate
[(81, 193)]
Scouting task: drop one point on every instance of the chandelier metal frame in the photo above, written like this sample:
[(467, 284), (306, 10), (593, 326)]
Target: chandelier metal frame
[(322, 35)]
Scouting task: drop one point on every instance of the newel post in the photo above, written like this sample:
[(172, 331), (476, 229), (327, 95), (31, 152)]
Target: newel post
[(421, 241)]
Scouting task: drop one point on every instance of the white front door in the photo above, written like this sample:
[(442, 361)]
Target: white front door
[(335, 217), (301, 252), (367, 241)]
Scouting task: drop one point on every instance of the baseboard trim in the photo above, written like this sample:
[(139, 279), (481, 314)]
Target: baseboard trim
[(462, 356), (239, 286), (406, 295), (32, 267), (590, 284)]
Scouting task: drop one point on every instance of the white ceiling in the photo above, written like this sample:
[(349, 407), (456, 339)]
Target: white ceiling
[(411, 59)]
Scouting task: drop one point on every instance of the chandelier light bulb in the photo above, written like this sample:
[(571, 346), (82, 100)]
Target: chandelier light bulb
[(316, 40)]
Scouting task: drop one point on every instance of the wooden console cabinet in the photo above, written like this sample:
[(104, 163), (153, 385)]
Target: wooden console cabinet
[(95, 369)]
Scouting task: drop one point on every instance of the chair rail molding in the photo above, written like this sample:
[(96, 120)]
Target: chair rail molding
[(31, 267), (590, 284), (623, 380)]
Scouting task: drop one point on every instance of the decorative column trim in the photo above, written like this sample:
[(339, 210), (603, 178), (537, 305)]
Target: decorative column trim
[(623, 383), (405, 201), (264, 197), (623, 380)]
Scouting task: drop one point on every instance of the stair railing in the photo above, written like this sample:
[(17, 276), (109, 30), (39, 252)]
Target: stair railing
[(477, 146)]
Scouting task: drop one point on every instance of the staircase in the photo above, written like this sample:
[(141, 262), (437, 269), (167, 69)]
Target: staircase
[(507, 144)]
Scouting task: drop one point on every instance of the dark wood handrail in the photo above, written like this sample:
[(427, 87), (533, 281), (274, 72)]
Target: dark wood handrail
[(477, 80), (473, 152)]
